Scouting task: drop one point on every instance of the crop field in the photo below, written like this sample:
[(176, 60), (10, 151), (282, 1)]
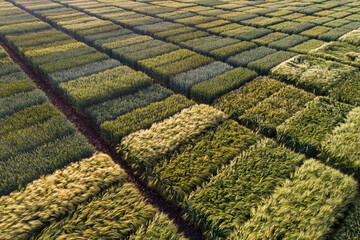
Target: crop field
[(180, 119)]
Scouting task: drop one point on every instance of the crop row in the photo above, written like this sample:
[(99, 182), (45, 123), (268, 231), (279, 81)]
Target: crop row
[(212, 45), (90, 86), (80, 201), (321, 76), (315, 192), (224, 202), (145, 148), (35, 138), (116, 41), (181, 33)]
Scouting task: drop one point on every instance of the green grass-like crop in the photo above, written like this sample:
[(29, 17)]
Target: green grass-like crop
[(96, 219), (305, 47), (352, 37), (20, 101), (309, 127), (273, 111), (177, 176), (8, 89), (343, 146), (314, 74), (339, 51), (114, 108), (315, 31), (112, 83), (271, 37), (350, 228), (143, 118), (288, 42), (160, 227), (264, 64), (244, 58), (31, 137), (225, 52), (51, 197), (226, 200), (209, 90), (304, 207), (27, 117), (236, 102), (145, 148), (21, 169)]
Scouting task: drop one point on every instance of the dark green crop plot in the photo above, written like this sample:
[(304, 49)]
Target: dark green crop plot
[(226, 201), (21, 101), (297, 27), (24, 85), (236, 102), (343, 146), (143, 118), (26, 139), (350, 228), (264, 64), (273, 111), (309, 127), (225, 52), (340, 52), (27, 117), (288, 42), (209, 90), (320, 76), (271, 37), (22, 169), (244, 58), (198, 161), (305, 207), (112, 109), (104, 86)]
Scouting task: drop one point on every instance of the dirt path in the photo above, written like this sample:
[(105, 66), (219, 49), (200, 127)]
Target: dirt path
[(89, 130)]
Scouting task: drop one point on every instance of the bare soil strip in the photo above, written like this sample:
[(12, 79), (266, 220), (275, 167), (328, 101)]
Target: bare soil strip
[(89, 130)]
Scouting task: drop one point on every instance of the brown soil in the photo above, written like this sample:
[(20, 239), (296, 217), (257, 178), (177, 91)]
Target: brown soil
[(89, 130)]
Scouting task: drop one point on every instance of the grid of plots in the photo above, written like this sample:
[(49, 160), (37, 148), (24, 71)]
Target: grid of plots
[(243, 114)]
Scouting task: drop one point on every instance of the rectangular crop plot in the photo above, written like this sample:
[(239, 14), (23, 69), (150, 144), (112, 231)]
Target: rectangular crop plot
[(209, 90), (114, 108), (93, 89), (304, 207), (309, 127), (305, 47), (143, 118), (352, 37), (264, 64), (320, 76), (207, 44), (226, 200), (342, 145), (169, 64), (340, 52), (271, 112), (236, 102), (176, 177), (184, 81), (225, 52), (244, 58), (288, 42), (50, 198), (145, 148)]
